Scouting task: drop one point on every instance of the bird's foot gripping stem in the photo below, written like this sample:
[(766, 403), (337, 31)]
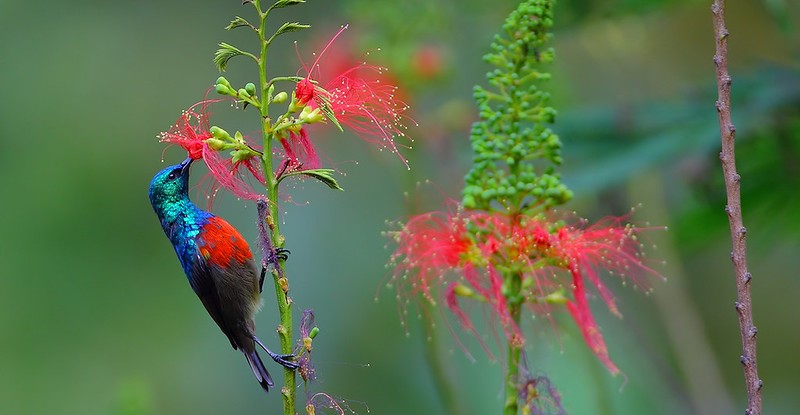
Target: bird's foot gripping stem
[(279, 254), (285, 360)]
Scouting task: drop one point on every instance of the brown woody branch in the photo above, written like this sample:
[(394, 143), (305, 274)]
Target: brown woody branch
[(734, 210)]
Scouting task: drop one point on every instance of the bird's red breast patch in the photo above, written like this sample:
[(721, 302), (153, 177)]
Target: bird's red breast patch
[(221, 243)]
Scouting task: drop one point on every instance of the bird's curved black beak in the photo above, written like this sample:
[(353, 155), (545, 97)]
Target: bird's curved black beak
[(185, 165)]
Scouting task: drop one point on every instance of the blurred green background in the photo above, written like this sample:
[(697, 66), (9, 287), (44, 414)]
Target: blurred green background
[(97, 318)]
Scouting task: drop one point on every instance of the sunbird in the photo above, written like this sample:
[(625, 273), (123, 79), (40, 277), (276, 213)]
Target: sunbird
[(218, 263)]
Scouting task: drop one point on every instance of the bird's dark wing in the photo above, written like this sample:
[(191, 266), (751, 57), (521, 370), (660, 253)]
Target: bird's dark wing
[(227, 281), (203, 284)]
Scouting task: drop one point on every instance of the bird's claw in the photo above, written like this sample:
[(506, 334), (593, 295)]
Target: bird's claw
[(285, 360), (281, 254)]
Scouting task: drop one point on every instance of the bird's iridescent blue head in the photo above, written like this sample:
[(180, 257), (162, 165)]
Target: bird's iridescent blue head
[(170, 186)]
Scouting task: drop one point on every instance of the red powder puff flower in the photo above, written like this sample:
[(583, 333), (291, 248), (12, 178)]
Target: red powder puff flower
[(462, 253), (192, 132), (360, 99)]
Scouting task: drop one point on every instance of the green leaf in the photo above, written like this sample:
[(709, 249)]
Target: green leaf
[(224, 54), (283, 3), (323, 175), (290, 27), (239, 22)]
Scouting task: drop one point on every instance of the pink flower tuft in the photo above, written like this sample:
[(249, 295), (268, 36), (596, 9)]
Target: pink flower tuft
[(299, 151), (359, 97), (231, 176), (428, 246), (442, 251), (305, 91), (191, 132)]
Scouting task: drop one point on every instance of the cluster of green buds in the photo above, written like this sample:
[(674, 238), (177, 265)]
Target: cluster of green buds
[(246, 95), (298, 112), (221, 140), (514, 153)]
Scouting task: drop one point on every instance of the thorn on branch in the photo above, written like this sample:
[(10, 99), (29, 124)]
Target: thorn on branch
[(747, 277), (738, 306)]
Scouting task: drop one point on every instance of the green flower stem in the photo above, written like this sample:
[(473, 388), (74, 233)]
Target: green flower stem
[(283, 126), (511, 404), (292, 79), (281, 283)]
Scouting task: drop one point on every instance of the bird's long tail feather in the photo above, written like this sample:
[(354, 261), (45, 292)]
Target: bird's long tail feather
[(259, 370)]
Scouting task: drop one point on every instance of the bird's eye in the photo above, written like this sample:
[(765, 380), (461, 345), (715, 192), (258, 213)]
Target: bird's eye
[(172, 175)]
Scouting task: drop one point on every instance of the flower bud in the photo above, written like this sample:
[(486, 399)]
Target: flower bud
[(222, 81), (280, 97), (556, 298), (219, 133), (250, 88), (215, 144), (242, 154), (469, 202), (463, 291), (222, 89), (313, 333), (243, 93), (311, 115)]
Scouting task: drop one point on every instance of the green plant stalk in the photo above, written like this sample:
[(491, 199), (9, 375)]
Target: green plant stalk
[(511, 404), (281, 284)]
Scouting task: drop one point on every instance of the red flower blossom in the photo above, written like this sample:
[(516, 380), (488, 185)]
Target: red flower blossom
[(306, 91), (466, 250), (191, 132), (359, 97)]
